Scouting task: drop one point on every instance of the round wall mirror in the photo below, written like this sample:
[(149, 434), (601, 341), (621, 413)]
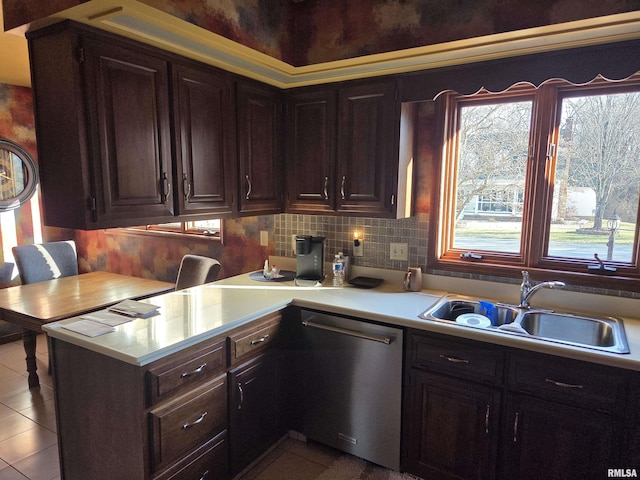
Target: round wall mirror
[(18, 175)]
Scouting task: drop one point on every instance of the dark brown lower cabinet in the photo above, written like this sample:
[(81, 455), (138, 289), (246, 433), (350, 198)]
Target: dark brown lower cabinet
[(550, 440), (254, 409), (541, 416), (453, 432)]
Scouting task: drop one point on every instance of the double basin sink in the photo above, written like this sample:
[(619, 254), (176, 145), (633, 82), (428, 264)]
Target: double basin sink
[(600, 333)]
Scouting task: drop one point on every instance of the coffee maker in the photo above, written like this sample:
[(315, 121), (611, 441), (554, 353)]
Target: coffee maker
[(309, 257)]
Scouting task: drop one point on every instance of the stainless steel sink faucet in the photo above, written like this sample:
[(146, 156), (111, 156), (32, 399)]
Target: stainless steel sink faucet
[(527, 291)]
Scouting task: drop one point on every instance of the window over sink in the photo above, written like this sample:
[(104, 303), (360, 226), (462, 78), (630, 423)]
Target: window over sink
[(544, 178)]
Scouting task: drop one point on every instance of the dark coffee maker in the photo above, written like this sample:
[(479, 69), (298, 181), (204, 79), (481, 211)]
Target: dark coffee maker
[(310, 257)]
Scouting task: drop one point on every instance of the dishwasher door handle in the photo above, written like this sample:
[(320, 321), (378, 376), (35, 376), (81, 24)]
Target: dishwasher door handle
[(351, 333)]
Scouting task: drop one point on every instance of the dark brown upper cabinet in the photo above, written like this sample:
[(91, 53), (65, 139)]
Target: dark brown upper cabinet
[(310, 152), (259, 131), (349, 150), (205, 140), (103, 129)]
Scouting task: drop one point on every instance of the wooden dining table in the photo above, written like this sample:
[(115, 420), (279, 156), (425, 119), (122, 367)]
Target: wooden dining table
[(36, 304)]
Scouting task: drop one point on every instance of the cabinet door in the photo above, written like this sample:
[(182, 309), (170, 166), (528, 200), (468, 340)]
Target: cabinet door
[(450, 428), (205, 140), (127, 99), (368, 129), (254, 415), (311, 131), (259, 132), (549, 440)]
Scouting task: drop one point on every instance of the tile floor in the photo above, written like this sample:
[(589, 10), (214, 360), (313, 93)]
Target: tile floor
[(292, 460), (28, 442)]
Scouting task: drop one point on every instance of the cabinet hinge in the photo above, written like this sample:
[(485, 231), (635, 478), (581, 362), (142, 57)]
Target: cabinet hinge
[(81, 55)]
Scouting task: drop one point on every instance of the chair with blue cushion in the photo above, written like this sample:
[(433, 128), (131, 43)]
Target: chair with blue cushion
[(46, 261), (197, 270)]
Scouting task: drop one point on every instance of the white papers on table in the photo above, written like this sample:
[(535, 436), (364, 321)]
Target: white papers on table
[(108, 318), (89, 328), (133, 308)]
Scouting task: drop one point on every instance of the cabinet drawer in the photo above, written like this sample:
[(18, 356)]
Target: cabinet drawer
[(188, 421), (186, 371), (208, 462), (467, 359), (569, 381), (253, 339)]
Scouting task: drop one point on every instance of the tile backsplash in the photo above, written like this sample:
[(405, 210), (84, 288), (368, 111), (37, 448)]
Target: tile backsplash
[(377, 235)]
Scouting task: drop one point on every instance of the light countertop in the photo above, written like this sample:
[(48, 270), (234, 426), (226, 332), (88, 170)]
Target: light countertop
[(190, 316)]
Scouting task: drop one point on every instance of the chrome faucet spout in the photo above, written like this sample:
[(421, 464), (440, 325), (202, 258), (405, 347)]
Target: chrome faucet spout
[(527, 291)]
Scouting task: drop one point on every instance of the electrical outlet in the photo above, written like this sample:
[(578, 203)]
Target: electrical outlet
[(293, 244), (398, 251), (264, 238)]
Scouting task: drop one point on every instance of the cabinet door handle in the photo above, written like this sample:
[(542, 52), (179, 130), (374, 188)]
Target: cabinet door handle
[(204, 475), (195, 422), (562, 384), (248, 187), (344, 179), (241, 396), (166, 186), (325, 192), (196, 371), (515, 427), (486, 418), (259, 340), (454, 359), (186, 185)]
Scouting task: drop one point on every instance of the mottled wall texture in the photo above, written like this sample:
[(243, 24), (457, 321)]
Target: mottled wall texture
[(303, 32), (120, 251)]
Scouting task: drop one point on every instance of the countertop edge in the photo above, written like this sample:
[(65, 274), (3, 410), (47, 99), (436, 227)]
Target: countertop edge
[(354, 302)]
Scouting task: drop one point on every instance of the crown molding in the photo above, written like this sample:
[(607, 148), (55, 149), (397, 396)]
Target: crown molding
[(138, 21)]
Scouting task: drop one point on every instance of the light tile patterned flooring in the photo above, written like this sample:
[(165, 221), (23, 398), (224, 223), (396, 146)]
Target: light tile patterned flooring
[(292, 460), (28, 442)]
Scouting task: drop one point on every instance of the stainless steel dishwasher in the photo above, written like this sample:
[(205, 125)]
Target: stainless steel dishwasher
[(353, 386)]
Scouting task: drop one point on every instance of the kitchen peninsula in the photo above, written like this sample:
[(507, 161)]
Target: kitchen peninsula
[(235, 325)]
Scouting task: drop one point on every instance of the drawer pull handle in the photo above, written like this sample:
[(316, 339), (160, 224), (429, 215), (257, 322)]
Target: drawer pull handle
[(196, 371), (204, 475), (259, 340), (562, 384), (515, 427), (454, 359), (195, 422)]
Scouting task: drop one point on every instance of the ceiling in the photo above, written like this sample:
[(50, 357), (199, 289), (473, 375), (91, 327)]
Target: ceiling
[(136, 20)]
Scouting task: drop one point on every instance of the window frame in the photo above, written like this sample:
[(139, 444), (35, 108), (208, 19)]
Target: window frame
[(186, 230), (538, 203)]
